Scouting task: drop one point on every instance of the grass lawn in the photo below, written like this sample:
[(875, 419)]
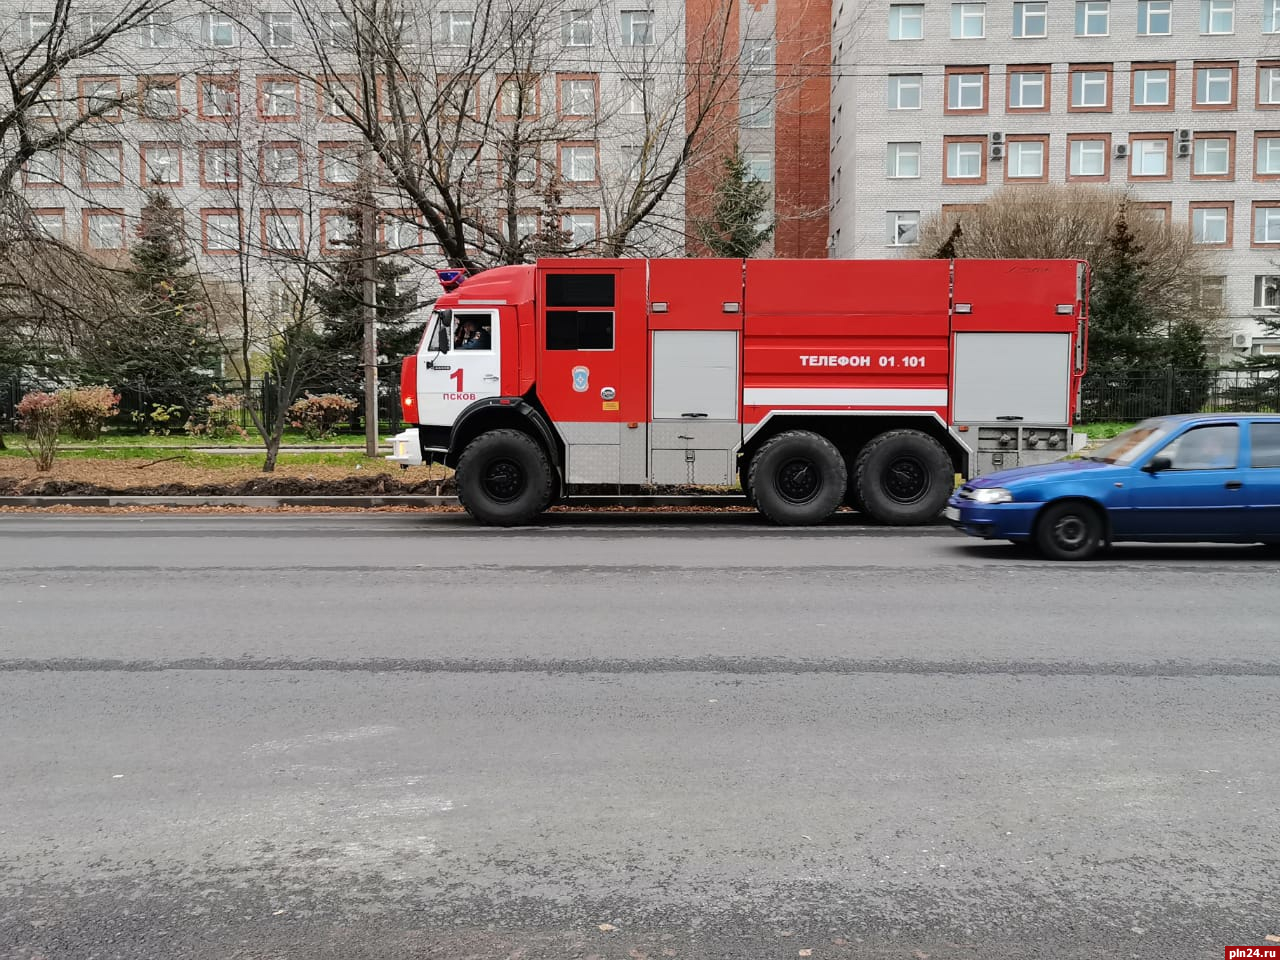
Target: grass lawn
[(178, 456), (1103, 431)]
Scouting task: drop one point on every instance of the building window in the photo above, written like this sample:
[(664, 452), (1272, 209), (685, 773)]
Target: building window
[(1271, 16), (339, 164), (903, 160), (1212, 157), (1268, 85), (338, 231), (1267, 155), (1093, 18), (637, 28), (159, 98), (1025, 159), (580, 228), (1209, 291), (1266, 292), (640, 96), (282, 231), (578, 96), (104, 229), (1149, 156), (456, 27), (578, 162), (402, 230), (755, 111), (1152, 87), (217, 98), (966, 160), (280, 164), (1155, 18), (158, 28), (220, 231), (1030, 19), (279, 29), (1090, 89), (904, 91), (43, 170), (161, 164), (103, 164), (101, 98), (342, 35), (1216, 86), (35, 26), (1217, 16), (968, 21), (1211, 224), (336, 97), (576, 28), (518, 98), (279, 98), (904, 228), (966, 90), (1266, 222), (219, 164), (757, 56), (906, 21), (760, 166), (520, 167), (51, 222), (219, 30), (1087, 158), (1028, 88), (1155, 212)]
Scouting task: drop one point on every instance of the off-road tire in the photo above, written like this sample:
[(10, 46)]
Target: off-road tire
[(797, 478), (1069, 531), (504, 478), (904, 478)]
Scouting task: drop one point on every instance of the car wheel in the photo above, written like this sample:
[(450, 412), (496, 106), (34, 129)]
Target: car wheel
[(504, 478), (797, 478), (1069, 531)]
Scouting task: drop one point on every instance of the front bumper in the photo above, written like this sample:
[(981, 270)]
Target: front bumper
[(991, 521), (406, 448)]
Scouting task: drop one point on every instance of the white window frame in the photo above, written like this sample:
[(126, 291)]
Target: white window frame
[(958, 84), (457, 27), (166, 157), (102, 94), (1023, 14), (1271, 164), (575, 93), (394, 230), (35, 25), (1266, 291), (276, 92), (1144, 150), (227, 230), (1143, 81), (1148, 10), (1087, 11), (272, 166), (1214, 76), (968, 20), (1088, 150), (160, 31), (577, 225), (213, 26), (104, 166), (904, 228), (1216, 283), (575, 161), (757, 55), (902, 159), (94, 233), (1087, 80), (292, 224), (906, 15), (1269, 85), (1266, 225), (1271, 16), (903, 82), (342, 33), (1016, 154), (221, 165), (52, 224), (1019, 82), (345, 160), (1207, 148), (44, 168), (280, 26), (1216, 10), (217, 99), (639, 94), (959, 154), (577, 28), (152, 90), (637, 28), (759, 166), (755, 111), (338, 239), (1204, 219)]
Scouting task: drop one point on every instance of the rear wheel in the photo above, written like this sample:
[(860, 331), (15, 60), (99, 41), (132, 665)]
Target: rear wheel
[(904, 477), (797, 478), (1069, 531), (504, 478)]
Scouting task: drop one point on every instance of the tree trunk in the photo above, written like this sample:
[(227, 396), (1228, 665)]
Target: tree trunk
[(273, 451)]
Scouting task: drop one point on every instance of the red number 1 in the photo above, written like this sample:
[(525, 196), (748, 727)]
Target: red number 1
[(457, 376)]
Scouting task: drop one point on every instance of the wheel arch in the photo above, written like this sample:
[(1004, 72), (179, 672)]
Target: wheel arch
[(1092, 502)]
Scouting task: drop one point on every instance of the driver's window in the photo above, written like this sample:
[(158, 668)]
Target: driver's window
[(472, 331), (440, 334), (1205, 448)]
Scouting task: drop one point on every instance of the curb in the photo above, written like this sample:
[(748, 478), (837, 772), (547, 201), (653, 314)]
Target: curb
[(364, 501)]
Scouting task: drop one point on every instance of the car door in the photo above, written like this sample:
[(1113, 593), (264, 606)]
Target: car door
[(1262, 483), (455, 371), (1198, 494)]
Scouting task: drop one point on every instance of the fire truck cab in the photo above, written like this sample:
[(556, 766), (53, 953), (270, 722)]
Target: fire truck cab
[(812, 384)]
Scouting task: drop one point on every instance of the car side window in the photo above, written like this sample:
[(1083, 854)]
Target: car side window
[(1264, 438), (1215, 447)]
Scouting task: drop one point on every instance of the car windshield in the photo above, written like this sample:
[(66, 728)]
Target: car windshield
[(1127, 447)]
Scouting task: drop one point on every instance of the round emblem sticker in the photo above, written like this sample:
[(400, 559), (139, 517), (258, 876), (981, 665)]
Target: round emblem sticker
[(581, 378)]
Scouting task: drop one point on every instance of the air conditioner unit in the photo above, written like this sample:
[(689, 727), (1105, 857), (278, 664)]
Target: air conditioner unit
[(997, 152), (997, 138), (1241, 341), (1184, 149), (1184, 135), (1122, 149)]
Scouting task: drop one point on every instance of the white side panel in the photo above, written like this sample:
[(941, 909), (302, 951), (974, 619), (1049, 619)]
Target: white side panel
[(695, 372), (1026, 375)]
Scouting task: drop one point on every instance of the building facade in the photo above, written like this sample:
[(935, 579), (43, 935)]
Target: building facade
[(936, 105)]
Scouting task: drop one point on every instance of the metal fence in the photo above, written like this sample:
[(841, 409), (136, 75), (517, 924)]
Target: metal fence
[(1135, 395)]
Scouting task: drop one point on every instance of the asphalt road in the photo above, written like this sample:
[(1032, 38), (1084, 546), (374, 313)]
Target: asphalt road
[(392, 736)]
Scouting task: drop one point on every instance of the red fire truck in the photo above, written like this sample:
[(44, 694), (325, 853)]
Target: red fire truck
[(811, 383)]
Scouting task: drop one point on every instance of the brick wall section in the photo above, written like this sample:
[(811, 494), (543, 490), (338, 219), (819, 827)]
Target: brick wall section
[(704, 21)]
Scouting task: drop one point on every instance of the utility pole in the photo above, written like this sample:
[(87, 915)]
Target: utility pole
[(369, 298)]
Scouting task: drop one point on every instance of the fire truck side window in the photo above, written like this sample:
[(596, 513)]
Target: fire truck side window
[(580, 289), (579, 330)]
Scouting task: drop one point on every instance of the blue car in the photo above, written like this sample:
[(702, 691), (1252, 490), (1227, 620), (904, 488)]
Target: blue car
[(1195, 478)]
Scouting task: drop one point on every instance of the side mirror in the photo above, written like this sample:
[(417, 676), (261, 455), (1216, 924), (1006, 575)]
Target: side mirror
[(1157, 464)]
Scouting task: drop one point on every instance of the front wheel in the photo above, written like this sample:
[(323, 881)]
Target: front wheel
[(504, 478), (1069, 531)]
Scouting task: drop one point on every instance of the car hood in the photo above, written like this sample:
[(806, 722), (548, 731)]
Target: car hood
[(1058, 470)]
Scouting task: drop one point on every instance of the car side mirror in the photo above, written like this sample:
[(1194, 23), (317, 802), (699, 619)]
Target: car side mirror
[(1157, 464)]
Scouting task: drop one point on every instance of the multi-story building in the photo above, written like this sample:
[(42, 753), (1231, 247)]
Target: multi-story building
[(938, 104)]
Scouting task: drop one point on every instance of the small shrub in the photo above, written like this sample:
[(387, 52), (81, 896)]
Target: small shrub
[(85, 408), (40, 415), (316, 416), (220, 419)]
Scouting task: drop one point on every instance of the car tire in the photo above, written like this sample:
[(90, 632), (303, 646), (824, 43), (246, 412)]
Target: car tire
[(504, 478), (1069, 531), (797, 478), (904, 478)]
